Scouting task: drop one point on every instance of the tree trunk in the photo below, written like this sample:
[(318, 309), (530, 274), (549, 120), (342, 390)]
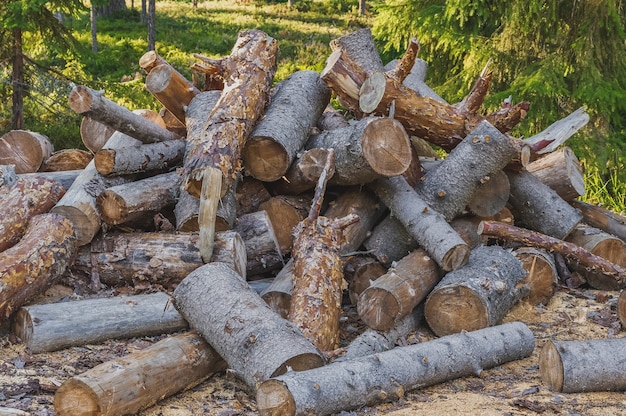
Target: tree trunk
[(26, 150), (303, 173), (137, 381), (17, 81), (425, 225), (66, 159), (360, 46), (386, 376), (561, 171), (87, 102), (262, 248), (255, 342), (366, 150), (360, 272), (294, 108), (94, 134), (28, 268), (56, 326), (249, 69), (390, 241), (477, 295), (602, 218), (22, 201), (64, 178), (149, 158), (160, 259), (151, 25), (584, 366), (171, 89), (541, 278), (94, 29), (187, 211), (285, 212)]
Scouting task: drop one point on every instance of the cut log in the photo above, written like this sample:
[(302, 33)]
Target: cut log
[(94, 104), (602, 218), (477, 295), (94, 134), (583, 366), (303, 173), (602, 245), (28, 268), (278, 294), (360, 272), (491, 196), (394, 295), (248, 72), (137, 381), (79, 202), (188, 207), (557, 133), (55, 326), (425, 225), (366, 150), (415, 79), (539, 208), (151, 158), (25, 149), (135, 203), (149, 60), (388, 375), (172, 123), (361, 47), (22, 201), (561, 171), (250, 194), (255, 342), (450, 187), (389, 241), (171, 89), (162, 259), (262, 247), (541, 278), (621, 308), (331, 119), (65, 178), (294, 108), (285, 212), (66, 159), (613, 273)]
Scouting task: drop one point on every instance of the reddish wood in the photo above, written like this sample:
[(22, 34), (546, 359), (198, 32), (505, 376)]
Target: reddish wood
[(66, 159), (25, 149)]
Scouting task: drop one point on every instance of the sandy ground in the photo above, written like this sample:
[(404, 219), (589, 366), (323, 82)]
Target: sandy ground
[(28, 381)]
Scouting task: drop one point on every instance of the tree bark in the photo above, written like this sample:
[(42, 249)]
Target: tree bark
[(477, 295), (395, 294), (360, 272), (294, 108), (26, 150), (366, 150), (303, 173), (561, 171), (17, 80), (151, 25), (262, 247), (64, 178), (386, 376), (361, 47), (137, 381), (187, 210), (249, 70), (160, 259), (28, 268), (425, 225), (93, 104), (602, 218), (255, 342), (56, 326), (541, 278), (285, 212), (171, 89), (390, 241), (151, 158), (415, 79), (66, 159), (584, 366), (94, 134), (22, 201)]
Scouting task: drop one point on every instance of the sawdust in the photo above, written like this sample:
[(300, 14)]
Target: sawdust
[(28, 381)]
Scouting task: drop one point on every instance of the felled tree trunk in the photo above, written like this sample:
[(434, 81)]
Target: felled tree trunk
[(137, 381), (285, 212), (558, 132), (561, 171), (255, 342), (389, 241), (20, 202), (28, 268), (366, 150), (477, 295), (171, 89), (395, 294), (583, 366), (26, 150), (248, 72), (66, 159), (386, 376), (150, 158), (425, 225), (360, 272), (295, 105), (94, 134), (187, 210), (138, 259), (541, 278), (93, 104), (65, 178), (303, 173), (262, 247), (602, 218), (55, 326)]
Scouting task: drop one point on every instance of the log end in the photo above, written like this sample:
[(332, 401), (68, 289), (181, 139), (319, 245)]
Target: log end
[(444, 306), (86, 225), (541, 278), (378, 308), (76, 398), (112, 207), (265, 159), (456, 257), (159, 78), (23, 327), (386, 147), (81, 99), (551, 366), (273, 398), (372, 92)]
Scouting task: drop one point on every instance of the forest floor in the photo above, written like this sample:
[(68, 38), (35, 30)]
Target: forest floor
[(28, 381)]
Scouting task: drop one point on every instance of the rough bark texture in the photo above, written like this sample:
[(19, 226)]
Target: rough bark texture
[(541, 278), (582, 366), (248, 72), (21, 201), (395, 294), (389, 241), (360, 45), (255, 341), (425, 225), (64, 178), (139, 380), (477, 295), (303, 173), (602, 218), (55, 326), (388, 375), (415, 79), (28, 268), (561, 171), (150, 158), (26, 150), (66, 159), (296, 104)]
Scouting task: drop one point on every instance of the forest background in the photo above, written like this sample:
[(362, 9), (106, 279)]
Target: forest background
[(557, 54)]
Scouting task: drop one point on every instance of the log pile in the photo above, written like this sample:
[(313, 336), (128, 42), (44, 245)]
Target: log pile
[(225, 189)]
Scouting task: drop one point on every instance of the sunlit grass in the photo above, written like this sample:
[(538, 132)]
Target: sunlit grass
[(607, 189)]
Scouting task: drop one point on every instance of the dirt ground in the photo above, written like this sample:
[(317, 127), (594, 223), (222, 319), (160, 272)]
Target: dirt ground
[(28, 381)]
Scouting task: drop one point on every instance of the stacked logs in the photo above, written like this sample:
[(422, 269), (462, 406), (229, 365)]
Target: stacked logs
[(223, 190)]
